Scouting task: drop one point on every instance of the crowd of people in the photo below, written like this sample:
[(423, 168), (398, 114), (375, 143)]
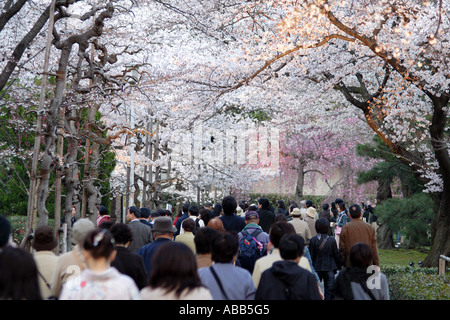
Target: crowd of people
[(227, 252)]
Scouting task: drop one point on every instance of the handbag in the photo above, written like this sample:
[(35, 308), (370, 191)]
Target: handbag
[(338, 230)]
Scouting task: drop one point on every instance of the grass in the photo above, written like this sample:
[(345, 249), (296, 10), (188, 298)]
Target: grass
[(401, 257)]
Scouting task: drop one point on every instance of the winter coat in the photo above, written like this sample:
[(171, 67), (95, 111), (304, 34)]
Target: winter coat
[(132, 265), (357, 231), (285, 280), (266, 219), (328, 258)]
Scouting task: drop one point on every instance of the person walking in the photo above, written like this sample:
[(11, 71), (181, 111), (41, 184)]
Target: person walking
[(102, 215), (231, 222), (357, 231), (184, 215), (72, 263), (361, 280), (325, 256), (174, 275), (341, 221), (266, 217), (286, 280), (127, 262), (252, 242), (202, 239), (311, 220), (100, 281), (43, 243), (18, 275), (142, 234), (301, 227), (225, 280), (163, 231), (278, 230), (187, 237)]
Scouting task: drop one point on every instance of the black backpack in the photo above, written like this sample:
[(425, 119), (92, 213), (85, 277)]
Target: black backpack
[(250, 249)]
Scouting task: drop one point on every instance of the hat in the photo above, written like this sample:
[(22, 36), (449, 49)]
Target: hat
[(164, 224), (296, 212), (80, 229), (44, 239), (251, 215), (311, 212)]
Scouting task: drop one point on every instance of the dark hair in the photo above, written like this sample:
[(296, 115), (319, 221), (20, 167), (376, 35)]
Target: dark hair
[(308, 203), (224, 246), (99, 243), (280, 217), (203, 238), (174, 267), (185, 208), (19, 275), (322, 225), (155, 214), (281, 204), (193, 210), (145, 213), (291, 246), (341, 206), (355, 211), (265, 204), (278, 230), (326, 206), (204, 213), (121, 233), (229, 205), (188, 225), (361, 255), (252, 208), (217, 209), (168, 213), (102, 210), (136, 211)]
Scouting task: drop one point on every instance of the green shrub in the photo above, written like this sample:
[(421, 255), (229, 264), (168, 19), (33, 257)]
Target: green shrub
[(409, 283)]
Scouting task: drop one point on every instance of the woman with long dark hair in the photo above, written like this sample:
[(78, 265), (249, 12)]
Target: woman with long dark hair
[(18, 275)]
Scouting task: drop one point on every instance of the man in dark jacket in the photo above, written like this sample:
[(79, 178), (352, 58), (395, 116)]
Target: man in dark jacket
[(266, 217), (231, 222), (285, 280), (127, 262), (163, 231)]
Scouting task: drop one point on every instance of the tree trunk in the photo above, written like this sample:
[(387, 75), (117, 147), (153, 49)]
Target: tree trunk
[(384, 233), (299, 186), (440, 233), (385, 237)]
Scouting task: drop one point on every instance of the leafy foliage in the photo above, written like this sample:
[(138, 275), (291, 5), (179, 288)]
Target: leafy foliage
[(412, 216)]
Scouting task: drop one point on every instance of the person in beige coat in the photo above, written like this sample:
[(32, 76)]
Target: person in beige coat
[(187, 237), (43, 243), (311, 220), (71, 263), (300, 226)]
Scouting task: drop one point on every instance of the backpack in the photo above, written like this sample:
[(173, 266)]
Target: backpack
[(250, 249)]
